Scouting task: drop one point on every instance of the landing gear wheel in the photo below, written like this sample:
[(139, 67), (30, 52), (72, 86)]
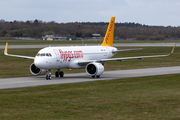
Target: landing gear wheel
[(48, 77), (57, 74), (93, 76), (61, 74), (98, 76)]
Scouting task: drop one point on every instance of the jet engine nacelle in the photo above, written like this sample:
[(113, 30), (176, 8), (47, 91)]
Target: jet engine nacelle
[(36, 71), (94, 69)]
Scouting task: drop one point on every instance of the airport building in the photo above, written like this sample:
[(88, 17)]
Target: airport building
[(53, 37)]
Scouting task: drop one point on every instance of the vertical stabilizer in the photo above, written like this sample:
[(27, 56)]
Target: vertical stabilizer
[(108, 39)]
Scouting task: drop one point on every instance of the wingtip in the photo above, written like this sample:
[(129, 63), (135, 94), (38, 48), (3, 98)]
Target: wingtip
[(173, 49), (6, 49)]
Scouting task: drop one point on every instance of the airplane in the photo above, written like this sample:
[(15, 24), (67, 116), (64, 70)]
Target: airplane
[(92, 58)]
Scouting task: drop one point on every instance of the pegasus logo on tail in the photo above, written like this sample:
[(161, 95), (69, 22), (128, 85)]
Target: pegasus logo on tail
[(108, 39), (109, 31)]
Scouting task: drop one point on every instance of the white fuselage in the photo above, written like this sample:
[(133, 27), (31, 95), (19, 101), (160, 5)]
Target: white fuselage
[(68, 57)]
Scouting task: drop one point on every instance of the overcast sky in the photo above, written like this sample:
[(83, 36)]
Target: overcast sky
[(149, 12)]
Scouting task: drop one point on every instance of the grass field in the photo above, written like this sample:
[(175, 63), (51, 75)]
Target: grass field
[(146, 98)]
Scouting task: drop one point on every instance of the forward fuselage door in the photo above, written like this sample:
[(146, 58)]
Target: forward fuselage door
[(58, 57)]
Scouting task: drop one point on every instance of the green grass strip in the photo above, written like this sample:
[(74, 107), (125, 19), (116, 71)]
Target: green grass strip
[(143, 98)]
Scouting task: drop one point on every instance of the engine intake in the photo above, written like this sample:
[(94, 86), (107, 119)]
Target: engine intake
[(94, 69), (36, 71)]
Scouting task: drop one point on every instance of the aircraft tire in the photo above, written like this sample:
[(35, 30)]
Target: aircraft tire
[(93, 76), (57, 74), (61, 74), (48, 77)]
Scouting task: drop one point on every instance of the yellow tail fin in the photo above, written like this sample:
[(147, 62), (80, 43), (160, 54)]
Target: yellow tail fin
[(108, 39)]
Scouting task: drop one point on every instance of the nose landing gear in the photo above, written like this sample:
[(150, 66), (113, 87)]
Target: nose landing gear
[(48, 77)]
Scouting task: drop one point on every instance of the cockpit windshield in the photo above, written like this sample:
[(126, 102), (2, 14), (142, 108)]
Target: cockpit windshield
[(44, 54)]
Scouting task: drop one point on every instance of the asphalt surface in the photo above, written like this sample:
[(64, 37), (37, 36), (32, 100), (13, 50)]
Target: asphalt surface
[(18, 82), (115, 45)]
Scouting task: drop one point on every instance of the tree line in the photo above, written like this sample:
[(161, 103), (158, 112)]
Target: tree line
[(38, 28)]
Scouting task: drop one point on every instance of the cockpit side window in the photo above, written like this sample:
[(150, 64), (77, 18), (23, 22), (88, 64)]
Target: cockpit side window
[(44, 54), (50, 55)]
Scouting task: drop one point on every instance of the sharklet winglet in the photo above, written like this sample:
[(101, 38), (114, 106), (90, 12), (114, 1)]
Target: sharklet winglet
[(173, 49), (6, 49)]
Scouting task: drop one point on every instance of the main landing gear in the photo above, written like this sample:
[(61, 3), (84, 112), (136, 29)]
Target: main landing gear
[(59, 73), (98, 76)]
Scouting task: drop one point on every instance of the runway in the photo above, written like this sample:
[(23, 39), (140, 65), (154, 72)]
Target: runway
[(18, 82)]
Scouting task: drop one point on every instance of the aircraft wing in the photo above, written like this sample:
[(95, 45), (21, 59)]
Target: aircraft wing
[(138, 57), (125, 58), (6, 53)]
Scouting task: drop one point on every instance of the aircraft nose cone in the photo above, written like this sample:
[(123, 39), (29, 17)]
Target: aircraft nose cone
[(38, 63)]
